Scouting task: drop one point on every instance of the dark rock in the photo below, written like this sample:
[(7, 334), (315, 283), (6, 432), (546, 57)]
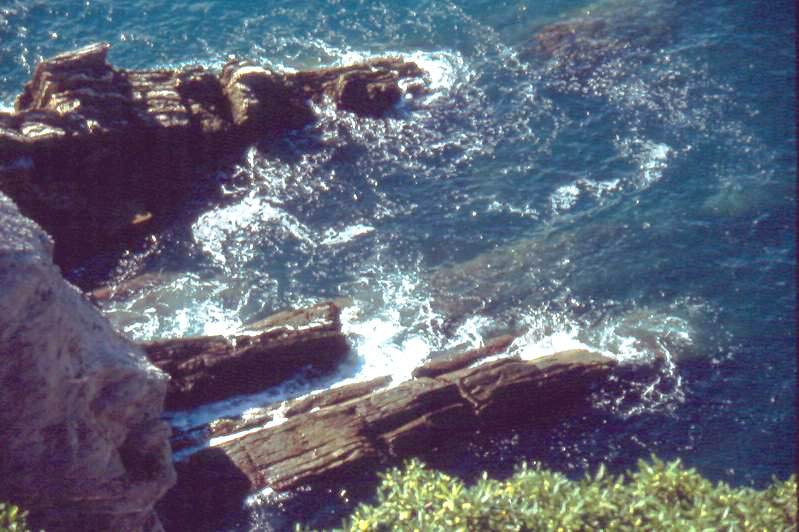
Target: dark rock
[(210, 486), (543, 388), (82, 445), (367, 95), (262, 101), (107, 154), (211, 368), (464, 359), (101, 157), (335, 396), (340, 439), (259, 416)]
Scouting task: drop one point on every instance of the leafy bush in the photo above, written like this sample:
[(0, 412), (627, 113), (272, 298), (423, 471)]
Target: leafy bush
[(12, 519), (658, 496)]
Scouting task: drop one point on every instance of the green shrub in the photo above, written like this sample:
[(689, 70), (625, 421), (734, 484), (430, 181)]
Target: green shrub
[(12, 519), (658, 496)]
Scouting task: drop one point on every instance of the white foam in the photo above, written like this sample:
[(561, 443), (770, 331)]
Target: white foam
[(334, 237), (383, 344), (445, 69), (600, 189), (527, 211), (564, 198), (237, 226), (183, 306), (651, 158), (654, 164), (529, 347)]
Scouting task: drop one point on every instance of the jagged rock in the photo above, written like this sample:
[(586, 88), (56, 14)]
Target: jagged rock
[(263, 101), (81, 441), (370, 96), (367, 89), (101, 157), (370, 427), (210, 368)]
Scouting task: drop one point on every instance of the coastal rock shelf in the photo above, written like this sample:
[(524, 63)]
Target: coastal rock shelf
[(211, 368), (100, 157), (352, 430)]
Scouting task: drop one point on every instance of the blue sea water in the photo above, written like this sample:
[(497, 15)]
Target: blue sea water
[(618, 174)]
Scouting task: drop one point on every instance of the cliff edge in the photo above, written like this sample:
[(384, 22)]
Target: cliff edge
[(82, 445)]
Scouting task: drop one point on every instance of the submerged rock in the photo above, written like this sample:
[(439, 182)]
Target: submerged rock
[(583, 52), (81, 441)]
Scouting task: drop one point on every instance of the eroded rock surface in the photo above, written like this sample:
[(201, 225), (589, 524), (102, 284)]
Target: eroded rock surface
[(363, 427), (211, 368), (101, 157), (81, 441)]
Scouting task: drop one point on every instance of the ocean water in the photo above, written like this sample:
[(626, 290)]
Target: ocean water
[(618, 175)]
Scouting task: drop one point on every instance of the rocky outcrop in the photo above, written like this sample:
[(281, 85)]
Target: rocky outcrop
[(101, 157), (211, 368), (353, 430), (449, 362), (81, 441)]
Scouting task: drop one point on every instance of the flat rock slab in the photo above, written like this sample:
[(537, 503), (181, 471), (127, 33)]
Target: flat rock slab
[(211, 368), (324, 442), (464, 359)]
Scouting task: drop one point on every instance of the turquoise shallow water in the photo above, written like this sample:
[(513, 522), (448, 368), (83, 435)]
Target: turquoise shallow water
[(642, 163)]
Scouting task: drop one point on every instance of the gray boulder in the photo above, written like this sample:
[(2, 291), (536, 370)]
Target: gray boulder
[(82, 445)]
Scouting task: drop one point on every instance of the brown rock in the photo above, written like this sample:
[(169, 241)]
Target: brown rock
[(212, 368), (338, 439), (335, 396), (262, 101), (370, 95), (102, 157), (464, 359)]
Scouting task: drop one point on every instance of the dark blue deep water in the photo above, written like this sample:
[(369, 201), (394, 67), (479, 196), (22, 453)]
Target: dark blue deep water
[(618, 174)]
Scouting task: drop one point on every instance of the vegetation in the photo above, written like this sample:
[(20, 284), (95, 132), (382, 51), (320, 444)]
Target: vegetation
[(658, 496), (12, 519)]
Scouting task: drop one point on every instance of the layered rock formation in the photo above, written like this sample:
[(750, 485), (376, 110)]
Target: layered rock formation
[(212, 368), (352, 431), (81, 441), (100, 156)]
